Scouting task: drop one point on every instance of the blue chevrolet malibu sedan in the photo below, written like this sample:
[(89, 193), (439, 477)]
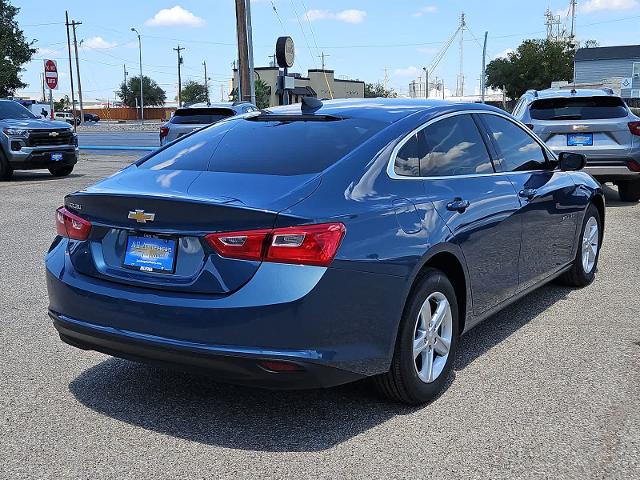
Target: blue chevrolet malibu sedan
[(322, 243)]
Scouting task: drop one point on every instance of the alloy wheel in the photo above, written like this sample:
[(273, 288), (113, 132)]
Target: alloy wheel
[(590, 244), (432, 337)]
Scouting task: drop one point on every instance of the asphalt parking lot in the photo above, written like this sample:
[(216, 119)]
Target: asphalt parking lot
[(548, 388)]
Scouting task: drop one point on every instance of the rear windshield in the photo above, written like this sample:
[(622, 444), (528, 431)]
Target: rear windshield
[(200, 116), (578, 108), (15, 111), (272, 147)]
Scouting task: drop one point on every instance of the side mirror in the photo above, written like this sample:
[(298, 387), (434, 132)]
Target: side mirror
[(571, 162)]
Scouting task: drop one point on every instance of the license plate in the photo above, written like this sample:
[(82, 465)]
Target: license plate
[(150, 253), (56, 157), (579, 139)]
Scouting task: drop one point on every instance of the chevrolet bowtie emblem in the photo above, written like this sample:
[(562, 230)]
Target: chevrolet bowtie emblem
[(141, 217), (580, 127), (53, 134)]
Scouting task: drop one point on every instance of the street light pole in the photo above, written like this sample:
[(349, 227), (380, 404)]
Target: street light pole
[(141, 89), (426, 82)]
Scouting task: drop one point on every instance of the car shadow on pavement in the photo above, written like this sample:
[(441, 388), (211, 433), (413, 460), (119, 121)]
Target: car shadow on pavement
[(198, 409), (500, 326), (612, 197)]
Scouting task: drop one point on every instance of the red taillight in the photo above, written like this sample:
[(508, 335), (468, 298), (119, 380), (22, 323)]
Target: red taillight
[(164, 131), (71, 225), (634, 128), (303, 245)]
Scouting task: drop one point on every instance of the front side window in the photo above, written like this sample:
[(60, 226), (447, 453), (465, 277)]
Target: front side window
[(449, 147), (518, 150)]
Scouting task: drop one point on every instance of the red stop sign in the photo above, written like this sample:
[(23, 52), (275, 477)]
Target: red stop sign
[(51, 74)]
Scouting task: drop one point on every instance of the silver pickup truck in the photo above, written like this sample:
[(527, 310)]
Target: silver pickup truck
[(28, 142)]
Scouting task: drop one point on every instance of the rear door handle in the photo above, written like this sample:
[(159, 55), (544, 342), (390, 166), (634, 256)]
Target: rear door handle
[(528, 193), (458, 205)]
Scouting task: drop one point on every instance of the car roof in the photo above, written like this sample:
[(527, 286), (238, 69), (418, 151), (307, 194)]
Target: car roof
[(383, 109), (229, 105)]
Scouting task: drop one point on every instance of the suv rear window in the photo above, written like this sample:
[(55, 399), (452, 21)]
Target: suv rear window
[(271, 146), (200, 116), (578, 108)]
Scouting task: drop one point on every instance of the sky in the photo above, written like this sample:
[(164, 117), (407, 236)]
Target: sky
[(360, 38)]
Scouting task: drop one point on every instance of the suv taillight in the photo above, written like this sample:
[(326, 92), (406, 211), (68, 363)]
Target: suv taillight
[(634, 128), (164, 131), (72, 226), (303, 245)]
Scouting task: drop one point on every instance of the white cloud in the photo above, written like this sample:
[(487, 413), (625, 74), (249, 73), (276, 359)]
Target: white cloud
[(407, 72), (175, 16), (48, 51), (347, 16), (505, 53), (599, 5), (351, 16), (425, 10), (97, 43)]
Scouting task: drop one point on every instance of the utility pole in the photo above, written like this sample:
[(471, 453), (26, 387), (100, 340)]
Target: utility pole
[(272, 62), (463, 24), (206, 81), (573, 18), (44, 95), (386, 78), (75, 46), (323, 56), (252, 71), (244, 88), (179, 49), (73, 97), (483, 79)]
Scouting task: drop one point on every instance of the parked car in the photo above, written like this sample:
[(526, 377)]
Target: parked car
[(596, 123), (91, 117), (66, 117), (186, 120), (317, 244), (28, 142)]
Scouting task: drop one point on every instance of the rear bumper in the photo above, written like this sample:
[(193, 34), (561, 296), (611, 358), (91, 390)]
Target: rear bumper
[(227, 365), (325, 319)]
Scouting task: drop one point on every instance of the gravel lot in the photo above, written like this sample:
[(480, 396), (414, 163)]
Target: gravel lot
[(549, 388)]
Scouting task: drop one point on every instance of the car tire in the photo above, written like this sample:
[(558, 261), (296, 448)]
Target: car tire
[(6, 172), (408, 379), (582, 272), (629, 191), (61, 171)]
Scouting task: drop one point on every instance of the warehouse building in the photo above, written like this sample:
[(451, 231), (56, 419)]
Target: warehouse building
[(318, 83), (615, 67)]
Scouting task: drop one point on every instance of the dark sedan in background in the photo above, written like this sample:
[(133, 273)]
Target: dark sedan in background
[(318, 244)]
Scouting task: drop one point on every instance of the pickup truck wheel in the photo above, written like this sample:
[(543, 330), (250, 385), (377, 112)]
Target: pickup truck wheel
[(5, 169), (61, 171), (629, 191)]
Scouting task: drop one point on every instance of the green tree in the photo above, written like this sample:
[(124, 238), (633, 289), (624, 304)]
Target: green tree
[(194, 92), (154, 95), (534, 65), (263, 94), (63, 104), (377, 90), (15, 51)]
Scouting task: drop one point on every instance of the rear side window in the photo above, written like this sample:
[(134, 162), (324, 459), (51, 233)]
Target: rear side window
[(578, 108), (200, 116), (452, 146), (518, 150), (265, 146)]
